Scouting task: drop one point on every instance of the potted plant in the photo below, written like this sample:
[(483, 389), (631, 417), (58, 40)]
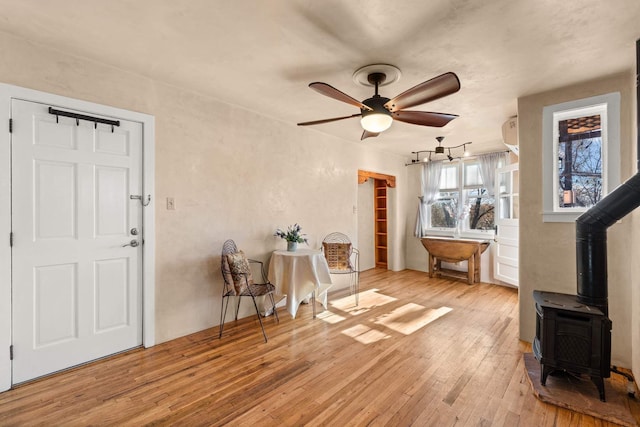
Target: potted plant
[(293, 236)]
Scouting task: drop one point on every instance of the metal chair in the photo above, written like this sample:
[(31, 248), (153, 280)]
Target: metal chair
[(238, 282), (343, 258)]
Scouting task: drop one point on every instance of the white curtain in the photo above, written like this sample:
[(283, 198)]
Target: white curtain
[(430, 186), (488, 165)]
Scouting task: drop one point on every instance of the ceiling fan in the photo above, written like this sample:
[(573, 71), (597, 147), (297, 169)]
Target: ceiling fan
[(377, 113)]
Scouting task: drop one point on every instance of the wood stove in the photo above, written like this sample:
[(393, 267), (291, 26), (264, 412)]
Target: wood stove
[(572, 337)]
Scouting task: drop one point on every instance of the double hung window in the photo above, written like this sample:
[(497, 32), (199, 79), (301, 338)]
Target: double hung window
[(444, 210), (480, 205), (463, 201)]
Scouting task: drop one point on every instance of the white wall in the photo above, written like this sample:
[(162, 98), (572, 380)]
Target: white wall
[(233, 174)]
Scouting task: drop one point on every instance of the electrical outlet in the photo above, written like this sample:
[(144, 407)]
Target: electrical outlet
[(171, 204)]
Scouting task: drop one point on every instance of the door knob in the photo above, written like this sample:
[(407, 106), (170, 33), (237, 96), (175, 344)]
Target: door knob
[(133, 243)]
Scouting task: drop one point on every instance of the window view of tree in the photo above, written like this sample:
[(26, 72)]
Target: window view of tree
[(481, 209), (444, 212), (579, 162), (581, 155), (468, 204)]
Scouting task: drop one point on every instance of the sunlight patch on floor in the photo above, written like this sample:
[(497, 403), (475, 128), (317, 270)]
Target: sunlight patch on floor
[(365, 335), (410, 317), (329, 317), (368, 300)]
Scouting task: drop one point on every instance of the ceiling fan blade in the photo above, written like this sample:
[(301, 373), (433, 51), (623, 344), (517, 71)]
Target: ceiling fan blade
[(319, 122), (423, 118), (438, 87), (334, 93), (367, 134)]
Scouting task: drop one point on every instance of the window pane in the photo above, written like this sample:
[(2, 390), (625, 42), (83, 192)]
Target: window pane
[(481, 209), (472, 176), (444, 210), (505, 182), (505, 207), (579, 162), (449, 177)]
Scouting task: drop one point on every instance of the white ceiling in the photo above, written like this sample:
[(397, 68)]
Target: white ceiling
[(262, 54)]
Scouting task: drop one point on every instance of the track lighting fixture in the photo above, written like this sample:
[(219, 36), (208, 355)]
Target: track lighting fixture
[(439, 149)]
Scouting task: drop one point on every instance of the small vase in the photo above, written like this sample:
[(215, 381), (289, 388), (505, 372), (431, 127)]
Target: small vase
[(292, 246)]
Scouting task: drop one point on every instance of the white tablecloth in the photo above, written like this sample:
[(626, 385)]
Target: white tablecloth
[(298, 274)]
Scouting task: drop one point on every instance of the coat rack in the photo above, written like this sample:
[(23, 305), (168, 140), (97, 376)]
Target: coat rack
[(79, 117)]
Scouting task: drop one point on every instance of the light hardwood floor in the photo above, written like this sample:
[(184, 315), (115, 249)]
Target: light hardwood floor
[(417, 351)]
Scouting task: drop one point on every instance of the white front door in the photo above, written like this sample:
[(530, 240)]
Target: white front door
[(76, 289), (507, 220)]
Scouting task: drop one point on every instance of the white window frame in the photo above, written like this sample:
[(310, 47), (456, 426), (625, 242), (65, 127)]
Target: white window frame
[(461, 189), (608, 106)]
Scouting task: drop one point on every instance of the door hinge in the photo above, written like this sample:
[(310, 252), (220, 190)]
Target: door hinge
[(10, 125), (11, 239), (11, 352)]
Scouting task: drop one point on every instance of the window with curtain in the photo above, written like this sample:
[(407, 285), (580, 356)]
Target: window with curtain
[(479, 201), (444, 210), (463, 200)]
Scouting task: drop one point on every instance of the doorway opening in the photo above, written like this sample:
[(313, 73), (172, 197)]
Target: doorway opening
[(380, 214)]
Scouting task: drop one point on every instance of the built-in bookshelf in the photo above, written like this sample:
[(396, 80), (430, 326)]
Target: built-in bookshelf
[(380, 207)]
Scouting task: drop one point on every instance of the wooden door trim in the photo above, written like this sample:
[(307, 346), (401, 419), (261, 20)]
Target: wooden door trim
[(363, 176)]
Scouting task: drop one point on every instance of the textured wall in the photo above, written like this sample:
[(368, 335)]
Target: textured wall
[(547, 250), (232, 173)]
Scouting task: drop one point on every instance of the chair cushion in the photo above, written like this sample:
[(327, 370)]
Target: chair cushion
[(337, 255), (239, 268), (226, 275)]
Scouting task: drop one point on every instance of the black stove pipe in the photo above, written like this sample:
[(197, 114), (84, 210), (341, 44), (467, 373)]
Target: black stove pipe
[(591, 241), (591, 228)]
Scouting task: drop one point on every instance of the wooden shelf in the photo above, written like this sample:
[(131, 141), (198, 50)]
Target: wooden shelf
[(380, 210)]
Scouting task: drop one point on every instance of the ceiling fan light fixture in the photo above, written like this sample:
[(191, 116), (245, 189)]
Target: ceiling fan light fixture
[(378, 112), (375, 122)]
